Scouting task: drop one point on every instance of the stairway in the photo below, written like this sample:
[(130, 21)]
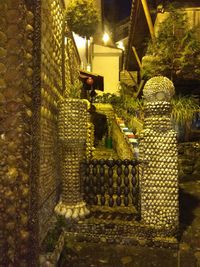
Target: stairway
[(101, 152), (128, 78)]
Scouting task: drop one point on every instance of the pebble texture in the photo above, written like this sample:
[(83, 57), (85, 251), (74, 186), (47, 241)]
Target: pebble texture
[(55, 83), (158, 147), (16, 73), (72, 133), (51, 93), (120, 143), (90, 137), (71, 68), (30, 88)]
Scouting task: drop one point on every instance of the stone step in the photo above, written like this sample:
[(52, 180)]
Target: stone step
[(101, 152)]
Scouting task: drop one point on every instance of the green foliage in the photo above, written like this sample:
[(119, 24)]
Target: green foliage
[(183, 109), (74, 89), (108, 98), (53, 235), (128, 102), (175, 52), (125, 104), (51, 239), (82, 17), (126, 107)]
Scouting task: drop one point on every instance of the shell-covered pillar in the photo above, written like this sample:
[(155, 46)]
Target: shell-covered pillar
[(158, 147), (17, 34), (90, 137), (72, 127)]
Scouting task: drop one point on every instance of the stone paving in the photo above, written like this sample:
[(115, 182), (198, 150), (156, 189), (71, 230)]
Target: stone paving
[(84, 254)]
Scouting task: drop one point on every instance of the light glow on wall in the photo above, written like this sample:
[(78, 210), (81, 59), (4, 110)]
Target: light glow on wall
[(80, 41), (81, 46), (88, 68), (120, 45), (105, 38)]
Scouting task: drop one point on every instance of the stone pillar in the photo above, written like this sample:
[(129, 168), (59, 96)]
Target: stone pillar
[(72, 136), (158, 146)]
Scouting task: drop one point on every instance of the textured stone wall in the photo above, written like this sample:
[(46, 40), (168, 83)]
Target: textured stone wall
[(59, 77), (30, 88), (129, 233), (51, 93), (59, 69), (16, 54), (120, 144), (72, 62), (90, 136)]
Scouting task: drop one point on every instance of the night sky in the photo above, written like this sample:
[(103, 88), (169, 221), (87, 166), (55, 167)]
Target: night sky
[(116, 10)]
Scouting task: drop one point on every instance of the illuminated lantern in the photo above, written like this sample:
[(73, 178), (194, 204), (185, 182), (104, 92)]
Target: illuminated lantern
[(89, 81)]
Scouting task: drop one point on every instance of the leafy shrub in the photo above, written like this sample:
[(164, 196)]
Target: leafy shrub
[(82, 17)]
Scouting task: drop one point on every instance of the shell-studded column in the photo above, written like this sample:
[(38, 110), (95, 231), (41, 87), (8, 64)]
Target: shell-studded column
[(72, 135), (90, 138), (16, 110), (158, 147)]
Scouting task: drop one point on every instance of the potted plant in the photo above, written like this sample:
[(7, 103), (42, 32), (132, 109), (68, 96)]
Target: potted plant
[(82, 17)]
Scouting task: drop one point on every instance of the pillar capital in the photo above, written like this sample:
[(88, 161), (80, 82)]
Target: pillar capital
[(158, 88)]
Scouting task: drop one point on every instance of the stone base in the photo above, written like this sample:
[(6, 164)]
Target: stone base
[(121, 232), (82, 234), (70, 211)]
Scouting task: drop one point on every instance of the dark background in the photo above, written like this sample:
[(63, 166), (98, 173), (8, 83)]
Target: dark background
[(116, 10)]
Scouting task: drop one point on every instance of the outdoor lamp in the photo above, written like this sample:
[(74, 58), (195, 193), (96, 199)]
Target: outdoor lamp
[(105, 38)]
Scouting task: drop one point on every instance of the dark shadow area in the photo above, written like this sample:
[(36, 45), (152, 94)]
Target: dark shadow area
[(187, 204), (99, 121), (108, 255), (114, 216)]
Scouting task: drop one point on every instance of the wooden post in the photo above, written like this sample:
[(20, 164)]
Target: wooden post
[(137, 57), (148, 18)]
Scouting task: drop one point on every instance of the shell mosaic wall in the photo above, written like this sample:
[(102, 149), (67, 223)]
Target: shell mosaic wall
[(158, 147), (90, 137), (30, 89), (56, 65), (16, 73), (71, 66), (51, 93)]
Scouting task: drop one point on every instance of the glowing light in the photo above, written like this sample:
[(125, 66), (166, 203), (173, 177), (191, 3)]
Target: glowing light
[(88, 68), (105, 38), (80, 41), (120, 45)]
